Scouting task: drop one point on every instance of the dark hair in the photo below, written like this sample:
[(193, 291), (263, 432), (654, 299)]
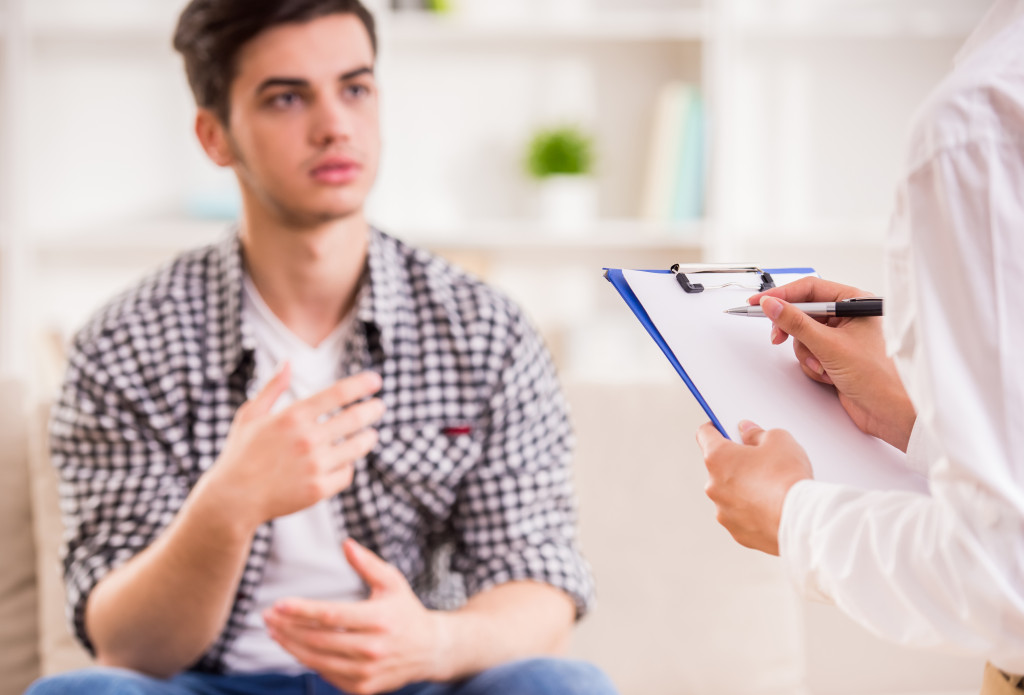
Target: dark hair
[(210, 34)]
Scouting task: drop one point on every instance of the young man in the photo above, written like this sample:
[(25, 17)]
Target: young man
[(244, 515), (945, 570)]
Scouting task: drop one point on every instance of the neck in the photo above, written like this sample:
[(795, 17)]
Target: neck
[(309, 276)]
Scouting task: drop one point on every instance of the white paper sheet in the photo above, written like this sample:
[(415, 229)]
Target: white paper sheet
[(741, 375)]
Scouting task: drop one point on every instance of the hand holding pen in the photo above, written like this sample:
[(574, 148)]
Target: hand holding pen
[(848, 353)]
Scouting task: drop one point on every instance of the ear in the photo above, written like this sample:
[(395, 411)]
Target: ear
[(213, 137)]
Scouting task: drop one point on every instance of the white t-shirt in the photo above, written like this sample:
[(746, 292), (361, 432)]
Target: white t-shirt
[(305, 559), (946, 570)]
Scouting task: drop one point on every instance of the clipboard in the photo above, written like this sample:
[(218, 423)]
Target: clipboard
[(734, 372)]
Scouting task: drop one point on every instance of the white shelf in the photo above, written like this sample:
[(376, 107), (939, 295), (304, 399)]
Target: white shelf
[(528, 235), (168, 236), (119, 21), (911, 23), (416, 27), (152, 236)]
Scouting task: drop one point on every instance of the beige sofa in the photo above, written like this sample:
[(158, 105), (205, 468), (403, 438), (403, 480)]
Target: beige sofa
[(682, 610)]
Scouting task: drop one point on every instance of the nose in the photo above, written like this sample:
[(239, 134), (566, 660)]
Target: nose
[(331, 123)]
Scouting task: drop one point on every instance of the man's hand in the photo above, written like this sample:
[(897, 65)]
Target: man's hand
[(275, 464), (749, 482), (848, 353), (373, 646)]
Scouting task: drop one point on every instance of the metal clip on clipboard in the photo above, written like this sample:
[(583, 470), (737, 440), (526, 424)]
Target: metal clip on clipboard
[(764, 279)]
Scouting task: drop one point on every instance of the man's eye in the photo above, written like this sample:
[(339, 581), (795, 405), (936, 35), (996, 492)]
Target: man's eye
[(285, 100), (358, 90)]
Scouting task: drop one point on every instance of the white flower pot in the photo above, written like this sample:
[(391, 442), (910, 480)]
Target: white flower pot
[(568, 204)]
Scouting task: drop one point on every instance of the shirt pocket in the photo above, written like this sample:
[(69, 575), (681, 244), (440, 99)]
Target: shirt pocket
[(426, 463)]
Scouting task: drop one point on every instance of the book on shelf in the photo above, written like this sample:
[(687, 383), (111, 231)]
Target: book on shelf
[(674, 183)]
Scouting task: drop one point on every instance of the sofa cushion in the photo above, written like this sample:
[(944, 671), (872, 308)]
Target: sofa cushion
[(58, 650), (681, 607), (19, 657)]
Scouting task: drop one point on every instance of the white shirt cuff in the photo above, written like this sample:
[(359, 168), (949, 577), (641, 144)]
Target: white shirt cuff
[(796, 529), (922, 449)]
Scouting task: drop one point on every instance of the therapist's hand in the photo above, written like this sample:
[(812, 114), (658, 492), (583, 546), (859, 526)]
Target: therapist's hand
[(848, 353), (748, 482)]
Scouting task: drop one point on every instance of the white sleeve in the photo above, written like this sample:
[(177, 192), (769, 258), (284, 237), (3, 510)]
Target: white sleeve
[(921, 450), (946, 570)]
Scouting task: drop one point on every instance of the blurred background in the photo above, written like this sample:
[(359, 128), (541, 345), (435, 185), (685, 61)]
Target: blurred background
[(533, 142)]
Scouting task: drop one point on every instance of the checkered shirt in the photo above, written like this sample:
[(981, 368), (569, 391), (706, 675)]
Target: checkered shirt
[(468, 487)]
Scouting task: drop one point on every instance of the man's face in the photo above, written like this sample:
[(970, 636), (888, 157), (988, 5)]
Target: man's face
[(304, 131)]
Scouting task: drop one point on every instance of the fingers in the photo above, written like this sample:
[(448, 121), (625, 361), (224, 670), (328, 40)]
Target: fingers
[(352, 419), (373, 570), (810, 364), (355, 617), (811, 289), (341, 454), (789, 320), (709, 439), (752, 434), (262, 402), (340, 394), (320, 660)]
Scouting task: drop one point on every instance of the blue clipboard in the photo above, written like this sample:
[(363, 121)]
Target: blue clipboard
[(615, 276)]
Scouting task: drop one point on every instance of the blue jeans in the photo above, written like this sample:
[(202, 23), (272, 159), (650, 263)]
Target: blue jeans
[(531, 677)]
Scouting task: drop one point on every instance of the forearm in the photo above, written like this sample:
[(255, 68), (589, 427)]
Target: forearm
[(913, 569), (512, 621), (160, 611)]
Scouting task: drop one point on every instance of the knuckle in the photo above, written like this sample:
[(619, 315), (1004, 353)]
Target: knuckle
[(305, 444), (315, 489), (374, 651), (289, 419)]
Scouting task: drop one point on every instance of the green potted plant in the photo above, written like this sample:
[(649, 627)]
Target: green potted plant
[(561, 160)]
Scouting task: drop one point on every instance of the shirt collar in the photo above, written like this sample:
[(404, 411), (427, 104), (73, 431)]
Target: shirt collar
[(382, 303), (1000, 15), (389, 297)]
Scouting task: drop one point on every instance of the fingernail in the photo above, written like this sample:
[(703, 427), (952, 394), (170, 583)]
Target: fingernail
[(771, 306), (775, 334), (747, 425), (814, 365)]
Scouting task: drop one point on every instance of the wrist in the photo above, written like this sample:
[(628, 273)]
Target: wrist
[(896, 428), (449, 661), (222, 508)]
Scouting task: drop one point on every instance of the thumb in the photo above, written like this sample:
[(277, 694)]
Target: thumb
[(377, 574), (709, 439), (752, 433), (794, 322), (262, 402)]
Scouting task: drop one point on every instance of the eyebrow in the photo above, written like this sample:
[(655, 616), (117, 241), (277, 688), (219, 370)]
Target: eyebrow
[(300, 82)]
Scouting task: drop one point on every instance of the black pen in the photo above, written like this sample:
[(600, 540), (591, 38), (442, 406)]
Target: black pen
[(861, 306)]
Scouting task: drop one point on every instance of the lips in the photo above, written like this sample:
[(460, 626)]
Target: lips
[(335, 171)]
